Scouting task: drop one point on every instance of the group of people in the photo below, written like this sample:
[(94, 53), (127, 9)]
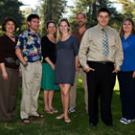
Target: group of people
[(53, 63)]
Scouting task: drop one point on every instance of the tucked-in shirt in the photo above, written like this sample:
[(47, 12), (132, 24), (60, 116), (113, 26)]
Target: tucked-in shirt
[(7, 52), (48, 49), (30, 45), (91, 46), (128, 45)]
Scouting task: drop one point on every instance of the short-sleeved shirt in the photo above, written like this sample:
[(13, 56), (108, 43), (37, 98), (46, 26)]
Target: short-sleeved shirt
[(128, 45), (30, 45)]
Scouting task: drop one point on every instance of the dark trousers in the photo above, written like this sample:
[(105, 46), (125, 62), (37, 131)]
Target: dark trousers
[(8, 89), (127, 94), (100, 86)]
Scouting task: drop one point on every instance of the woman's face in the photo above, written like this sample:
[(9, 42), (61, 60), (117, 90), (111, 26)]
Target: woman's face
[(64, 28), (127, 26), (51, 28), (10, 27)]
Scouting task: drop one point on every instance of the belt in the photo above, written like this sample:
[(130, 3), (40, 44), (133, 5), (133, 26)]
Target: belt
[(102, 62)]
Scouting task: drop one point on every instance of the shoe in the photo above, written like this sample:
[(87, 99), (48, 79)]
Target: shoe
[(60, 117), (68, 120), (54, 110), (49, 111), (125, 121), (38, 116), (26, 121), (71, 110)]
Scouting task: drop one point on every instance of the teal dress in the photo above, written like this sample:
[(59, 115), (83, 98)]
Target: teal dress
[(48, 74)]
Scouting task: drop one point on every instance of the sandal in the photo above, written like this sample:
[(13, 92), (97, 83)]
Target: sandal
[(49, 111), (26, 121), (60, 117), (68, 120), (54, 110), (37, 116)]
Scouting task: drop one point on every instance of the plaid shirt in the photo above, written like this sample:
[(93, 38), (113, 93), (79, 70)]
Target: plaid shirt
[(30, 45)]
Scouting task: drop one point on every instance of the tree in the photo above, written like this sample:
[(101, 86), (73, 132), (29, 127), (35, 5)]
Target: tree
[(52, 10), (10, 8), (128, 8), (90, 7)]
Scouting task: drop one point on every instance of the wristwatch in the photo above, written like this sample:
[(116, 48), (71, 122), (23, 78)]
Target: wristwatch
[(25, 64)]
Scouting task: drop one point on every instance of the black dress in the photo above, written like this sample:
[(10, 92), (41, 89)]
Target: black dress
[(65, 60)]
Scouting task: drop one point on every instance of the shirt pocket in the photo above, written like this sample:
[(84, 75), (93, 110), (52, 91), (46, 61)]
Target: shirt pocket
[(112, 41)]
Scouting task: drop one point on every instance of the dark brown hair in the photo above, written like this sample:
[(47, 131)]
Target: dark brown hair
[(133, 26), (32, 16), (6, 21), (50, 21), (103, 10)]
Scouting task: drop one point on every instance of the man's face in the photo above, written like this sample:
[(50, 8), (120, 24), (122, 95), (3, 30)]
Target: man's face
[(103, 18), (81, 19), (34, 24)]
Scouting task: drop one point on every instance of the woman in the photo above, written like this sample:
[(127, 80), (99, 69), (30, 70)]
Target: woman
[(127, 74), (48, 44), (67, 50), (9, 71)]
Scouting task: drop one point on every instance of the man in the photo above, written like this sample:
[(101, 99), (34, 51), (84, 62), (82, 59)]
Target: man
[(101, 56), (79, 32), (28, 50)]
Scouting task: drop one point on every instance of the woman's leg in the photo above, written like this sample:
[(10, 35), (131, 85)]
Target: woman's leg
[(65, 97), (50, 99), (46, 100)]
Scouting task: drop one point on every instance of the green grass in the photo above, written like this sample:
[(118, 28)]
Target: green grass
[(78, 126)]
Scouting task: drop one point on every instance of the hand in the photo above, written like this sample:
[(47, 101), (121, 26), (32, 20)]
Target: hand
[(25, 64), (115, 71), (5, 75), (133, 74), (88, 69), (77, 68)]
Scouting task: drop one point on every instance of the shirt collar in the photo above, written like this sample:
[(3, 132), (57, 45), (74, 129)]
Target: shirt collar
[(31, 33), (101, 28)]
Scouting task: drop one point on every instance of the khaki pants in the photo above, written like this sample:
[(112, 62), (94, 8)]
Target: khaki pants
[(72, 104), (31, 79)]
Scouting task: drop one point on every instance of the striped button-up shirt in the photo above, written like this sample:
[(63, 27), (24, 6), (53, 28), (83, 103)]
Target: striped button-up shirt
[(91, 47)]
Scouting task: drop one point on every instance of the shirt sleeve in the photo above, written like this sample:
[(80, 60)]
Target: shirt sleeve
[(119, 52), (84, 46), (1, 51), (44, 48)]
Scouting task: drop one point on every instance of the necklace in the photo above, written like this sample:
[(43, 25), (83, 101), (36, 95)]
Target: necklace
[(10, 36)]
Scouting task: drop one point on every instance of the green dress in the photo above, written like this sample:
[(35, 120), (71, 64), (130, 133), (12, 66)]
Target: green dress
[(48, 78)]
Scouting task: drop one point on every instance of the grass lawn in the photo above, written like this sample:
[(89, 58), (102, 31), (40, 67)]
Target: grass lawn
[(78, 126)]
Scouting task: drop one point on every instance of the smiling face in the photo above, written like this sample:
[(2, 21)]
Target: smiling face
[(51, 28), (103, 19), (34, 24), (64, 27), (10, 27), (127, 26)]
